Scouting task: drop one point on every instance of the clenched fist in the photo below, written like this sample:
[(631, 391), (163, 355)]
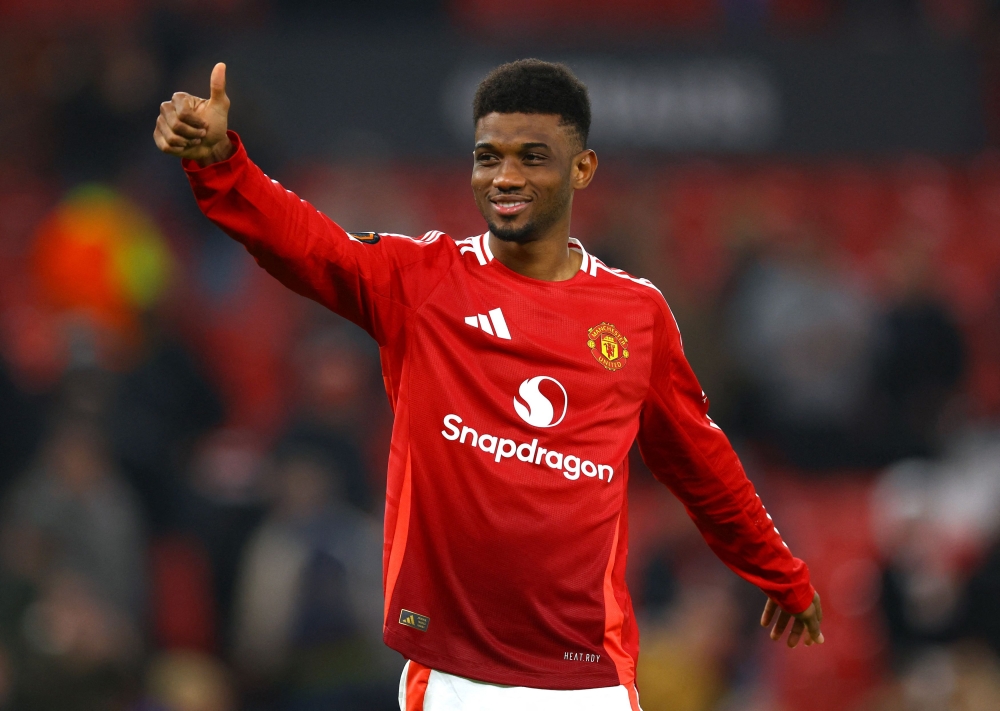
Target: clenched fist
[(190, 127)]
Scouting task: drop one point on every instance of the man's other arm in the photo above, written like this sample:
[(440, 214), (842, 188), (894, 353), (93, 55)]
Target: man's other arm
[(690, 454)]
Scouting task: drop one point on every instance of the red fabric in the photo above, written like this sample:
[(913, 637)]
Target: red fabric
[(182, 597), (516, 562), (624, 14), (633, 698), (801, 14), (65, 12), (417, 677)]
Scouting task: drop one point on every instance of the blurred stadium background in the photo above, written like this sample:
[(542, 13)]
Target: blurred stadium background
[(192, 458)]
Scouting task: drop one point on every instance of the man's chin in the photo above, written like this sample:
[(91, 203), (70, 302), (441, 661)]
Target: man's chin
[(509, 233)]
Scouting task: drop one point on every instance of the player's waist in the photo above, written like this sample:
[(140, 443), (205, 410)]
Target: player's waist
[(425, 689)]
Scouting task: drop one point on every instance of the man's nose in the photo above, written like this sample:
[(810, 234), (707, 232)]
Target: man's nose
[(508, 176)]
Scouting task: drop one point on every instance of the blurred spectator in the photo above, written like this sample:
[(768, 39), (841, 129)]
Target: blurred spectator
[(224, 504), (163, 405), (334, 412), (798, 336), (961, 677), (309, 603), (936, 522), (19, 423), (688, 645), (73, 574), (188, 681), (918, 363), (113, 78), (982, 613), (84, 516), (80, 652)]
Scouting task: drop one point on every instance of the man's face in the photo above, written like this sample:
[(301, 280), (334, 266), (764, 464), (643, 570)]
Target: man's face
[(522, 174)]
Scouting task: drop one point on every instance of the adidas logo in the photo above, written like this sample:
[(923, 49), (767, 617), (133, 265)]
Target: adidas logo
[(412, 619), (494, 324)]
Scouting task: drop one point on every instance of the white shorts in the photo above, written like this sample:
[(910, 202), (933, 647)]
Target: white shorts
[(422, 689)]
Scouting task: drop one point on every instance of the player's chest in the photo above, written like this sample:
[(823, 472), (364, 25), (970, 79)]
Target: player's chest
[(590, 345)]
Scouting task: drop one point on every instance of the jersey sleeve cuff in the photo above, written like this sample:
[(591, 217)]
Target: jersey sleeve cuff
[(800, 601), (234, 163)]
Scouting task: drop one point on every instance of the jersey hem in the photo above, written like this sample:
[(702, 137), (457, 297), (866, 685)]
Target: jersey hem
[(491, 675)]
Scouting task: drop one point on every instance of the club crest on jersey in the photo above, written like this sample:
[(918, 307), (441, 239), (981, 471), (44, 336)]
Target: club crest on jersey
[(608, 346), (366, 237)]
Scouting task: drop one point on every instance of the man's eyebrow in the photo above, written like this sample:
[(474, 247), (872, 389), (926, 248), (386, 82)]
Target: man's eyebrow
[(524, 146)]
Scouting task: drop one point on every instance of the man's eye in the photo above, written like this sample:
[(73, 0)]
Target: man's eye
[(534, 157), (485, 158)]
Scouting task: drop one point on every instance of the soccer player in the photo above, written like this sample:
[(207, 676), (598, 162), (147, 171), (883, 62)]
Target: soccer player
[(520, 369)]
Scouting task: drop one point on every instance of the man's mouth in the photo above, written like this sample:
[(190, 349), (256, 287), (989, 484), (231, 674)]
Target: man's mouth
[(509, 204)]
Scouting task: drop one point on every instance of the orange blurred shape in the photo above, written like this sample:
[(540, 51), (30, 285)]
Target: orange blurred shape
[(100, 255)]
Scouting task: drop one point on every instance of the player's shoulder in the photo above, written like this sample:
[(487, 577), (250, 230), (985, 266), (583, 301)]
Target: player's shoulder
[(612, 278), (392, 238), (475, 250), (642, 291), (433, 248)]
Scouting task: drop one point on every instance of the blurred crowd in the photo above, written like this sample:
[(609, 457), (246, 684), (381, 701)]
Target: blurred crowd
[(192, 458)]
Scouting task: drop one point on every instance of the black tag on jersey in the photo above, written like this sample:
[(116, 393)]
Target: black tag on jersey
[(412, 619), (366, 237)]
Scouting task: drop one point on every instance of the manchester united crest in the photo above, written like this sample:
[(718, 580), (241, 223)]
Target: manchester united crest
[(608, 346)]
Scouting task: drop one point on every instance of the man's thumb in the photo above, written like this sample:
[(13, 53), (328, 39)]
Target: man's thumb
[(218, 83)]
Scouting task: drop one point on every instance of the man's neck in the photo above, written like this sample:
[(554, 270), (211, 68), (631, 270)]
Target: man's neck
[(548, 259)]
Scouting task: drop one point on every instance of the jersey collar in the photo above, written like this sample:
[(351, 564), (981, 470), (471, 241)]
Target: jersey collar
[(574, 243)]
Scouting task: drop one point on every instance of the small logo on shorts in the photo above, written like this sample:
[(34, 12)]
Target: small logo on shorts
[(412, 619)]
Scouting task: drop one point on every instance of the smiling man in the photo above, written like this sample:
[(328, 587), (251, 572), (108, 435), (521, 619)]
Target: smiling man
[(520, 370)]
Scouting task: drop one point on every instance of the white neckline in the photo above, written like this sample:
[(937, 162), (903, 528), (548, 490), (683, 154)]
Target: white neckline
[(573, 243)]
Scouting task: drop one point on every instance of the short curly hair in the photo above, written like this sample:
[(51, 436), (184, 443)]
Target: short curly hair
[(531, 86)]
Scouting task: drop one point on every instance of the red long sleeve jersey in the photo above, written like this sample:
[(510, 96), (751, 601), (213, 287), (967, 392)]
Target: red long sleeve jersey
[(516, 402)]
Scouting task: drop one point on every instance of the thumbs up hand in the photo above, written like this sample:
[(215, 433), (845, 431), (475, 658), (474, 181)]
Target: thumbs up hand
[(195, 128)]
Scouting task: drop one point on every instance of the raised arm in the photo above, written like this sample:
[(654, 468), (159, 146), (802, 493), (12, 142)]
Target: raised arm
[(374, 280), (690, 454)]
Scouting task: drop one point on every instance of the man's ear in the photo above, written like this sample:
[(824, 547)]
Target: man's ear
[(583, 169)]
